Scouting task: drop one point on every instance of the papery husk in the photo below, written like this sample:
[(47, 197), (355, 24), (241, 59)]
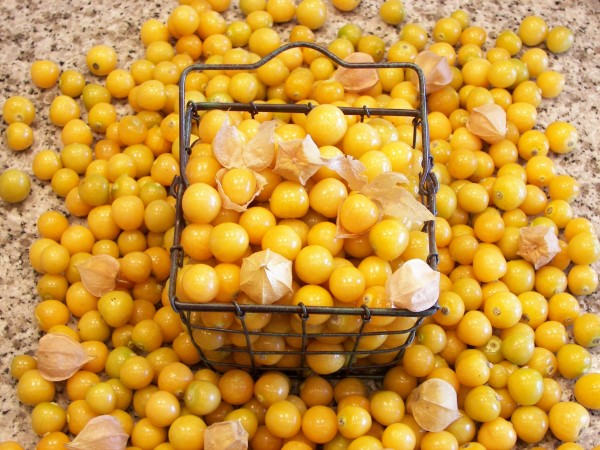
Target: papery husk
[(226, 202), (298, 160), (488, 122), (351, 170), (260, 150), (60, 356), (538, 245), (436, 70), (100, 433), (395, 201), (226, 435), (355, 79), (231, 149), (414, 286), (266, 277), (99, 274), (433, 404), (385, 190)]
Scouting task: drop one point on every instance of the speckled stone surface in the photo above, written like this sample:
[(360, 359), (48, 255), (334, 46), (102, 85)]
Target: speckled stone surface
[(62, 30)]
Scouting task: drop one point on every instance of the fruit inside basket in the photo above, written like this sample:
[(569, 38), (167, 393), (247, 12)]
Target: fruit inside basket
[(309, 237)]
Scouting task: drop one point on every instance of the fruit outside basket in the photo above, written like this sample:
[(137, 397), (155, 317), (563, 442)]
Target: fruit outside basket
[(248, 357)]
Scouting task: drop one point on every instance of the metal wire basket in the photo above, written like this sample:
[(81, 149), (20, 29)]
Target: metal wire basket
[(293, 360)]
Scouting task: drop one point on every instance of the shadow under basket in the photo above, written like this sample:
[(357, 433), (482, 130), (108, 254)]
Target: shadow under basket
[(293, 342)]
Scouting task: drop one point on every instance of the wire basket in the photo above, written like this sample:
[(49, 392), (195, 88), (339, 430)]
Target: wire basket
[(293, 359)]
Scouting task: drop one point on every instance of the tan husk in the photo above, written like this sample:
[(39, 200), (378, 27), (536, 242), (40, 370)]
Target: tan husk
[(226, 435), (385, 190), (231, 149), (59, 356), (488, 122), (357, 79), (538, 245), (395, 201), (226, 202), (433, 404), (101, 433), (435, 68), (414, 286), (352, 171), (266, 276), (298, 160), (99, 274)]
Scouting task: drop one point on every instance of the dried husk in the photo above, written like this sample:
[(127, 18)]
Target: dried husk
[(538, 245), (59, 356), (395, 201), (357, 79), (231, 149), (226, 202), (436, 70), (99, 274), (385, 190), (298, 160), (101, 433), (433, 404), (226, 435), (488, 122), (414, 286), (351, 170), (266, 277)]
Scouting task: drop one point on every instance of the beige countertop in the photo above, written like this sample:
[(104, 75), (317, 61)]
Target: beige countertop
[(62, 30)]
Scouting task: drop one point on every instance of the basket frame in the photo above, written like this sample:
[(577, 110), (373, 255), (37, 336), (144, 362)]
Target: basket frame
[(428, 186)]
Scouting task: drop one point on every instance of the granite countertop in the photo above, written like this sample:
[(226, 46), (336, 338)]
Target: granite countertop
[(62, 31)]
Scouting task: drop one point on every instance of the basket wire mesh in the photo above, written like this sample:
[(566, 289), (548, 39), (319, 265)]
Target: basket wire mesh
[(248, 357)]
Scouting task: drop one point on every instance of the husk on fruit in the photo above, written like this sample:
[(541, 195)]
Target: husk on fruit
[(395, 201), (351, 170), (298, 160), (414, 286), (357, 79), (385, 190), (226, 435), (266, 277), (538, 245), (436, 70), (59, 356), (99, 274), (101, 433), (488, 122), (227, 203), (232, 151), (433, 404)]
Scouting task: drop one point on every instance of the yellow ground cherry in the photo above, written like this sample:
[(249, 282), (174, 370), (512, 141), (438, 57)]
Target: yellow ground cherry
[(289, 200), (586, 390), (358, 213), (201, 203), (559, 39), (474, 328), (573, 360), (101, 59), (567, 420), (326, 124), (44, 73), (533, 30), (586, 330)]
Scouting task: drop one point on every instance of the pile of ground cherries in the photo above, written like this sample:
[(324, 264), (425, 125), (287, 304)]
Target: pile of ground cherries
[(509, 332)]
